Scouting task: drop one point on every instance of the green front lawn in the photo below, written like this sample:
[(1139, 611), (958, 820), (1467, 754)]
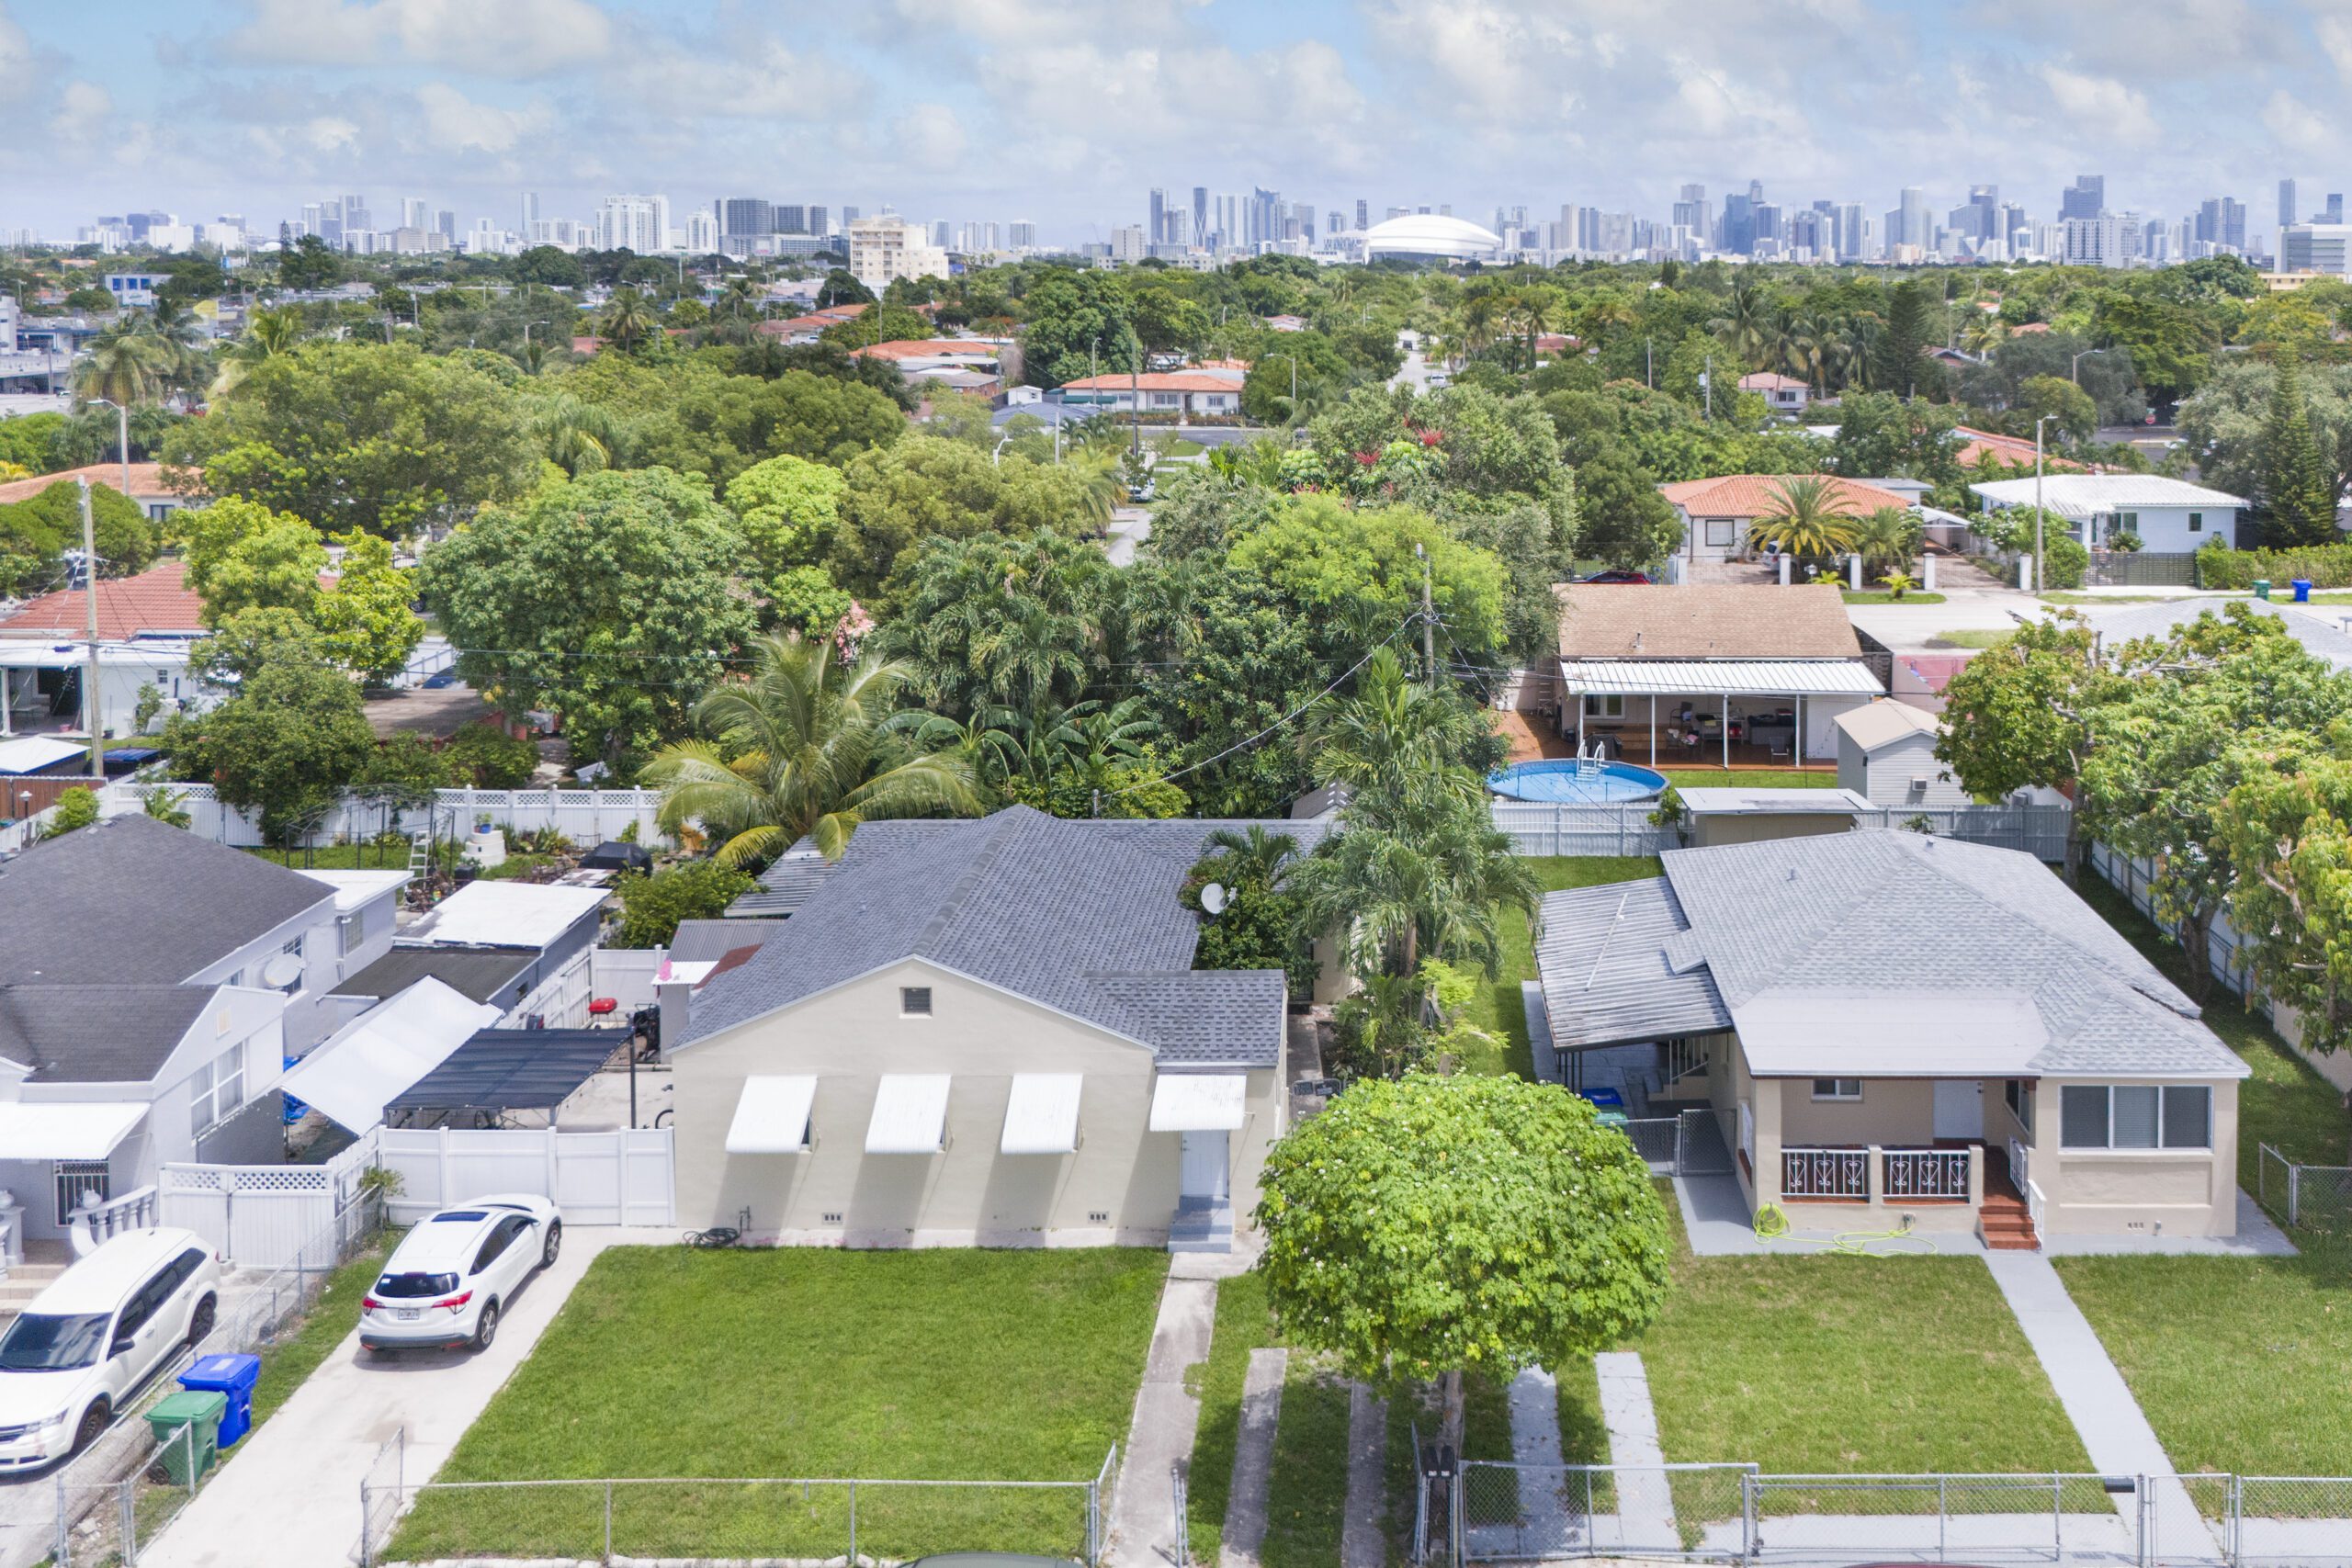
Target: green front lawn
[(954, 1364), (1881, 596), (2239, 1362), (1751, 778), (1497, 1008)]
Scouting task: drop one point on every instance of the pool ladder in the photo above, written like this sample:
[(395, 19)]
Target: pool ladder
[(1589, 762)]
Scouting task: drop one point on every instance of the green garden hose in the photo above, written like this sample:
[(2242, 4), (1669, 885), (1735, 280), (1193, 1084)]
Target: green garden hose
[(1772, 1224)]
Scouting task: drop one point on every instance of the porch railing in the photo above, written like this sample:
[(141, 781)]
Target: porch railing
[(92, 1224), (2035, 1203), (1926, 1173), (1824, 1173)]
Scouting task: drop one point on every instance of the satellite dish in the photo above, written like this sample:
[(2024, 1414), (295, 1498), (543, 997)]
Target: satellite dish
[(282, 970), (1213, 897)]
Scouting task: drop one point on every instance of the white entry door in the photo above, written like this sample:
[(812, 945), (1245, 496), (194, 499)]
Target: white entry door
[(1960, 1108), (1205, 1175)]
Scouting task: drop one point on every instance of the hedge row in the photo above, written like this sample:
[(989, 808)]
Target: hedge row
[(2324, 566)]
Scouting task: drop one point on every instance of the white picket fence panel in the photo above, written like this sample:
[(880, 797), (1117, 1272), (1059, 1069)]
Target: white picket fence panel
[(259, 1216), (583, 815), (1537, 828), (620, 1177)]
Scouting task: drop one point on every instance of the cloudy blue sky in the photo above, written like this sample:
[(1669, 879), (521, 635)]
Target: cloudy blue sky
[(1066, 111)]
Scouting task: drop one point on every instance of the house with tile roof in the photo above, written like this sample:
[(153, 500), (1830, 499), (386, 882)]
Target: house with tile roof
[(1740, 675), (986, 1033), (1887, 1026), (146, 485), (1197, 389), (1718, 513), (1782, 394), (147, 623)]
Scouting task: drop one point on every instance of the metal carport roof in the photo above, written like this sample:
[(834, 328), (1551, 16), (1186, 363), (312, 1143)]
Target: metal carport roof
[(513, 1069)]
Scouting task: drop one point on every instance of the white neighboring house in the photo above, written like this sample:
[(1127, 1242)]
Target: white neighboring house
[(2170, 516), (548, 929), (1886, 753), (152, 983), (1782, 394)]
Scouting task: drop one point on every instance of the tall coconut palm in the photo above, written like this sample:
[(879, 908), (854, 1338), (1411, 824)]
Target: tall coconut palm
[(1391, 736), (579, 437), (628, 320), (1434, 889), (801, 749), (268, 334), (125, 366), (1806, 519), (1746, 327), (1887, 540)]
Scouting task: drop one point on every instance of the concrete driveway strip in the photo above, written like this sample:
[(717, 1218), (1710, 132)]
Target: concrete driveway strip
[(289, 1496)]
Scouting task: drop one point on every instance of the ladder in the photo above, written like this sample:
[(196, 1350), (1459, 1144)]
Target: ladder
[(420, 855)]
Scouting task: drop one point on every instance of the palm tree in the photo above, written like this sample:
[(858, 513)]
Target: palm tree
[(580, 437), (268, 334), (1394, 735), (1030, 652), (125, 366), (800, 749), (1746, 329), (1250, 857), (1434, 889), (1886, 540), (628, 318), (1806, 519), (740, 298)]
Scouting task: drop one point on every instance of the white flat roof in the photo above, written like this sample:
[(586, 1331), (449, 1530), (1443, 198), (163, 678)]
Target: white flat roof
[(23, 653), (2079, 496), (32, 753), (1041, 1115), (502, 914), (910, 1114), (1720, 677), (1860, 1033), (353, 889), (1708, 801), (386, 1051), (37, 1130), (771, 1115), (1198, 1103)]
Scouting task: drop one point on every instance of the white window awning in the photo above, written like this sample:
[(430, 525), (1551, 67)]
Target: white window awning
[(1041, 1116), (1198, 1103), (1720, 677), (771, 1115), (910, 1114), (33, 1130)]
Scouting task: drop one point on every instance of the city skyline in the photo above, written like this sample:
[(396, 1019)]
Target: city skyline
[(1062, 114)]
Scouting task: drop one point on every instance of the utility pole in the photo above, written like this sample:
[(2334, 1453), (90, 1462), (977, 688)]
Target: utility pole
[(1429, 621), (1649, 363), (2036, 502), (1707, 384), (90, 665)]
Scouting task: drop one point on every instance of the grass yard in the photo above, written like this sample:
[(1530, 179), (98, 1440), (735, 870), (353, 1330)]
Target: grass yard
[(951, 1364), (2239, 1362), (1968, 637), (1497, 1008), (1751, 778), (1881, 596)]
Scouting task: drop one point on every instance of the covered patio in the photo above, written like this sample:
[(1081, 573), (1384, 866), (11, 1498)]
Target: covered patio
[(1758, 712)]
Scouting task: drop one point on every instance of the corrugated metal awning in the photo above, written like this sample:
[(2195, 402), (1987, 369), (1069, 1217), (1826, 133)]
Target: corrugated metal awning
[(1608, 959), (910, 1114), (771, 1115), (1198, 1103), (1720, 677), (1041, 1115)]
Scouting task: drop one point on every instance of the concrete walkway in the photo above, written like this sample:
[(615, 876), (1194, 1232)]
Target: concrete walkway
[(289, 1496), (1143, 1510), (1645, 1496), (1535, 1440), (1254, 1458), (2115, 1432), (1364, 1536)]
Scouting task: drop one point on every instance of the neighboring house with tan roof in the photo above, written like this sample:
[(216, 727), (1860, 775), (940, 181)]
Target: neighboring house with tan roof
[(1183, 393), (1784, 394), (155, 498), (1702, 674), (1718, 513), (1886, 753)]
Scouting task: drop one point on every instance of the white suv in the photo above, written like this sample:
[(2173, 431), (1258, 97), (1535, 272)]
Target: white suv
[(446, 1283), (76, 1354)]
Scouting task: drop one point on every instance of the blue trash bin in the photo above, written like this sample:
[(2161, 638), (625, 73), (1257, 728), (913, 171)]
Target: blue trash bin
[(2303, 588), (233, 1376)]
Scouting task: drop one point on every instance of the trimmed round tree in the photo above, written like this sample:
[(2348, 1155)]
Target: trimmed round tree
[(1428, 1227)]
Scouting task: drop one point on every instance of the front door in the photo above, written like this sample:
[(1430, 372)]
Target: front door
[(1205, 1178), (1960, 1109)]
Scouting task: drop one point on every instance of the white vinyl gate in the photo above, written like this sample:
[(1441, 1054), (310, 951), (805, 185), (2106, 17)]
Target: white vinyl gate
[(259, 1216), (620, 1177)]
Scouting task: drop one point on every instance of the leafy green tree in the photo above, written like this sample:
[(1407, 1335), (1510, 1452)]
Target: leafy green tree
[(2286, 830), (1622, 519), (607, 599), (2226, 424), (799, 748), (718, 425), (242, 555), (251, 640), (310, 266), (1259, 926), (1883, 435), (653, 905), (36, 532), (787, 508), (362, 436), (76, 808), (1077, 323), (486, 757), (925, 488), (1432, 1226), (286, 744), (2064, 404), (365, 621), (2170, 344), (1322, 555), (2023, 713), (2298, 483)]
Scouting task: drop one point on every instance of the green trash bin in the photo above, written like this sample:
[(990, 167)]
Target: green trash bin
[(2262, 588), (186, 1428)]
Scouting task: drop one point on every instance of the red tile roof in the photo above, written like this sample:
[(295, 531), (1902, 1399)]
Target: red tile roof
[(2011, 451), (146, 479), (1755, 495), (1770, 381), (156, 600), (1158, 382), (2029, 327)]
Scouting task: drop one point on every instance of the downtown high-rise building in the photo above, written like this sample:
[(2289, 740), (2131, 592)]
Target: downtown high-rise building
[(2288, 211), (745, 217), (2086, 197), (2220, 220)]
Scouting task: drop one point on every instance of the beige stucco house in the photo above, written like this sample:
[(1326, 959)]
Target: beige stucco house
[(1888, 1026), (986, 1033)]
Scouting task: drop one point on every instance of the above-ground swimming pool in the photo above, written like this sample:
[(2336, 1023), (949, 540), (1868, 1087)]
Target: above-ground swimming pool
[(1563, 780)]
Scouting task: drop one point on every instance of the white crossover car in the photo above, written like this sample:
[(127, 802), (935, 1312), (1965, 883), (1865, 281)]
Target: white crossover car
[(446, 1283), (83, 1345)]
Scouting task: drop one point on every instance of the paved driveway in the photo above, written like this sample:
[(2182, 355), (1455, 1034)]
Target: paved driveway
[(288, 1496)]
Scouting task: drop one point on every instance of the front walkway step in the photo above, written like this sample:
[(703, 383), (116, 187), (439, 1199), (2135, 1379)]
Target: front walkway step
[(2114, 1429), (1645, 1498), (1254, 1458), (1167, 1416), (1363, 1540)]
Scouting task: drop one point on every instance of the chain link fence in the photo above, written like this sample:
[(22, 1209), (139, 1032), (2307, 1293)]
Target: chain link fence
[(1523, 1512), (770, 1519), (2313, 1201), (120, 1492)]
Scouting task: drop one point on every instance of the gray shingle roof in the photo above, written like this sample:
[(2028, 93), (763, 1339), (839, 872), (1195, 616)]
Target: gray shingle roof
[(784, 885), (1902, 913), (705, 942), (135, 902), (1220, 1017), (96, 1034), (1606, 974), (1043, 908)]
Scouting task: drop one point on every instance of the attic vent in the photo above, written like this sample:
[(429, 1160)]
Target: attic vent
[(832, 1219), (1097, 1216)]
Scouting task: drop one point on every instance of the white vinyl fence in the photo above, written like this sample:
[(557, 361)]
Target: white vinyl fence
[(620, 1177), (583, 815), (261, 1216), (1539, 830)]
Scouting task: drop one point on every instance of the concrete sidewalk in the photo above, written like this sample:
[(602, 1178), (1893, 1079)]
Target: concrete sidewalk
[(1159, 1437), (289, 1496)]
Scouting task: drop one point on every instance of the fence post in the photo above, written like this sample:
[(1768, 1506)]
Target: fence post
[(1748, 1543), (609, 1522), (1943, 1518), (2294, 1194), (64, 1554), (127, 1497)]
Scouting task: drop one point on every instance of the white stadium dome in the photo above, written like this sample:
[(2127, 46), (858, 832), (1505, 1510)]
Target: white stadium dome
[(1425, 234)]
